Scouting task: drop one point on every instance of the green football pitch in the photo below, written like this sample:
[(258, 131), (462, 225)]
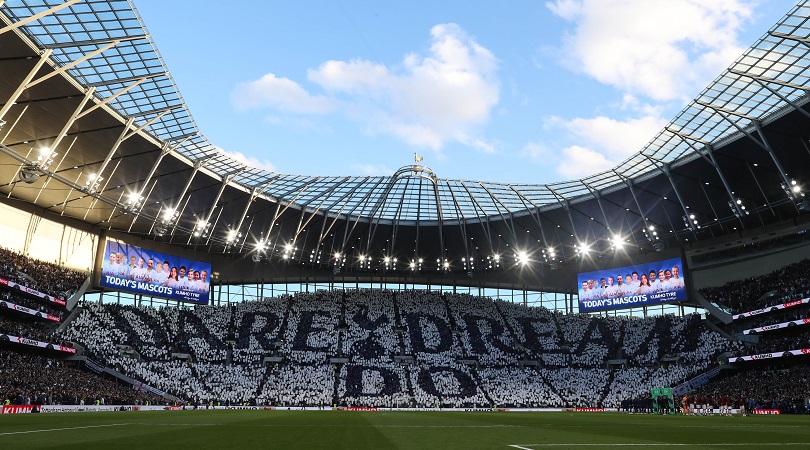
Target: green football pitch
[(236, 429)]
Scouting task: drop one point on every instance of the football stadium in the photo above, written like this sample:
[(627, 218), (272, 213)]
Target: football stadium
[(155, 290)]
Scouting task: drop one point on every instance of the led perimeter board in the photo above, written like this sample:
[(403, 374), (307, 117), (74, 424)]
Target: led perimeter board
[(632, 286), (133, 269)]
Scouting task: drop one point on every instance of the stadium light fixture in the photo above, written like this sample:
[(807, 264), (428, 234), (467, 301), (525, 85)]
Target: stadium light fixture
[(738, 207), (793, 189), (692, 221), (92, 184), (232, 236), (522, 258), (201, 228), (651, 233), (617, 242), (45, 159)]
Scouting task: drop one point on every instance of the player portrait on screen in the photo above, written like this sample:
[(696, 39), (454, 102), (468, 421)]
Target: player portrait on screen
[(632, 286), (134, 269)]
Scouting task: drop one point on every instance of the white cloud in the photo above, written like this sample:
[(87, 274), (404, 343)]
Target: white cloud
[(578, 162), (536, 152), (598, 143), (372, 169), (250, 160), (662, 49), (281, 94), (617, 139), (444, 95)]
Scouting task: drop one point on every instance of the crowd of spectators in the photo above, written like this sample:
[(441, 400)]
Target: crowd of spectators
[(380, 384), (451, 385), (484, 334), (466, 350), (27, 329), (9, 298), (518, 387), (48, 278), (256, 328), (35, 380), (369, 324), (788, 283), (299, 385), (785, 389)]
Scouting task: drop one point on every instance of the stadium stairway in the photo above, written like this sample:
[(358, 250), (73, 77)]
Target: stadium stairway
[(749, 338), (700, 379), (524, 353), (336, 387), (66, 321), (480, 384), (548, 384), (712, 308), (606, 390), (74, 299), (283, 328)]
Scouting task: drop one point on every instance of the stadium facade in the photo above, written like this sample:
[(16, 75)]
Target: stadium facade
[(98, 143)]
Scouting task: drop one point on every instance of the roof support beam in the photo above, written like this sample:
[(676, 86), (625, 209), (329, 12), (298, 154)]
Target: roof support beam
[(641, 211), (226, 179), (74, 63), (164, 151), (73, 44), (800, 39), (72, 119), (485, 227), (724, 114), (772, 154), (566, 206), (535, 213), (110, 98), (128, 79), (24, 83), (38, 16), (462, 221), (707, 152)]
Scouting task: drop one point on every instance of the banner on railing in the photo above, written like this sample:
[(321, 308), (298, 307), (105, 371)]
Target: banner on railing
[(777, 326), (12, 285), (766, 411), (29, 311), (761, 356), (767, 309), (36, 343)]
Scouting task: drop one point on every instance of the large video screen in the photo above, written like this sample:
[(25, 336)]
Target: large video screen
[(632, 286), (133, 269)]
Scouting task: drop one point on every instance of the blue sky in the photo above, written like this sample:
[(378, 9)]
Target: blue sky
[(519, 92)]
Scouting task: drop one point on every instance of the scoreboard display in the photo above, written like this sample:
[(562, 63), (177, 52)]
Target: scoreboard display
[(133, 269), (633, 286)]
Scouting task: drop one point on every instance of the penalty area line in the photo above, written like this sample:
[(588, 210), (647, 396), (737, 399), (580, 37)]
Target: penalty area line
[(62, 429), (653, 444)]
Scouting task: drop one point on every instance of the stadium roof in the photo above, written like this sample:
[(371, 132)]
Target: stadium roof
[(84, 80)]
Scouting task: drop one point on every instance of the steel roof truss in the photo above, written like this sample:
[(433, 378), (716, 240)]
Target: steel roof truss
[(37, 16), (226, 179), (61, 69), (24, 83)]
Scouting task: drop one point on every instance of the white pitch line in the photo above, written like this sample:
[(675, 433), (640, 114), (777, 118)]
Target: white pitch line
[(62, 429), (656, 444)]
